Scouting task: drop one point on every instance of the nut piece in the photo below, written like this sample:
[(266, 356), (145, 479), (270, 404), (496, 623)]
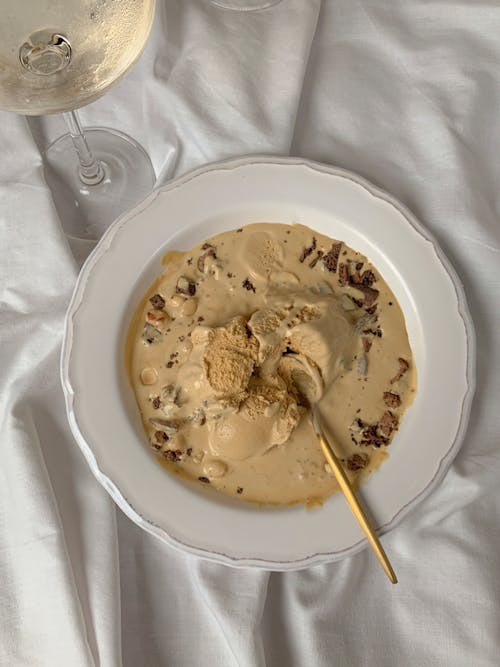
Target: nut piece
[(198, 456), (156, 317), (176, 300), (170, 426), (185, 286), (189, 307), (149, 375), (215, 469), (151, 334)]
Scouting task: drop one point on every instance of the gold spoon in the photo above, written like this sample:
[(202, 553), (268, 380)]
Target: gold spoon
[(308, 381)]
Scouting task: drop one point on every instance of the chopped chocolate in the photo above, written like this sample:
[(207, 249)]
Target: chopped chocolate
[(313, 262), (240, 229), (189, 451), (391, 399), (210, 252), (357, 462), (200, 318), (205, 480), (374, 332), (161, 436), (230, 275), (157, 301), (330, 260), (239, 489), (248, 285), (173, 455), (388, 424), (371, 310), (370, 436), (370, 293), (189, 261), (308, 250), (156, 446), (156, 402), (358, 302), (169, 364), (403, 367), (343, 274), (185, 286), (367, 343), (368, 278)]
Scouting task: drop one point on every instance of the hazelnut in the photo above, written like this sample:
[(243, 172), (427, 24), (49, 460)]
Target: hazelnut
[(214, 469), (149, 375), (189, 307)]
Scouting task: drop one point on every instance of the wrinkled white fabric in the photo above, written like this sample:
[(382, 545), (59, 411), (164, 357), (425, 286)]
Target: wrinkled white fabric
[(406, 94)]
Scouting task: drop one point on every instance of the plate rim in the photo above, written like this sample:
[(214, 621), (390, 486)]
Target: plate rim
[(219, 557)]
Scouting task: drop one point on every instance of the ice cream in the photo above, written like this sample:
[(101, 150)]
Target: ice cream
[(213, 349)]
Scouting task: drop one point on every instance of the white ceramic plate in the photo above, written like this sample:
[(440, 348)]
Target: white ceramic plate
[(102, 410)]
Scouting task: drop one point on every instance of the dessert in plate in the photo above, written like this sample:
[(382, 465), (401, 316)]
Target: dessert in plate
[(211, 355)]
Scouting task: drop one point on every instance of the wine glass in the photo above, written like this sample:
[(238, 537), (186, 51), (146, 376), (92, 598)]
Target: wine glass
[(58, 55), (244, 5)]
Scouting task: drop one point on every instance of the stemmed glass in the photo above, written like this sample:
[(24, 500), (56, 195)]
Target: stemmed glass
[(59, 55)]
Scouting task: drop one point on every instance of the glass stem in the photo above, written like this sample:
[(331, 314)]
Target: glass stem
[(91, 171)]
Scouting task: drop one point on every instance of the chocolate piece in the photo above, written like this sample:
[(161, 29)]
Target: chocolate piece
[(368, 278), (210, 252), (185, 286), (308, 250), (392, 400), (388, 424), (156, 402), (330, 260), (369, 293), (370, 436), (239, 489), (367, 343), (357, 462), (157, 301), (205, 480), (343, 274), (248, 285), (161, 436), (174, 455), (403, 367)]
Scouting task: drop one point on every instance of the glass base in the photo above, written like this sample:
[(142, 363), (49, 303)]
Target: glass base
[(86, 211), (244, 5)]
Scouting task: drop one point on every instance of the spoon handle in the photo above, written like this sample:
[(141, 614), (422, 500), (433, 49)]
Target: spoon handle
[(356, 508)]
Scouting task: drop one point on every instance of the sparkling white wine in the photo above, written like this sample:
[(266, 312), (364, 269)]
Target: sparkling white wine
[(57, 55)]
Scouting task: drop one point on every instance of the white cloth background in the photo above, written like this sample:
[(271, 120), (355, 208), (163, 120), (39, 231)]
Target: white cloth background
[(408, 95)]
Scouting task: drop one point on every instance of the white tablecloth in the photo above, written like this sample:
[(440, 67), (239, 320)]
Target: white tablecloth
[(406, 94)]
